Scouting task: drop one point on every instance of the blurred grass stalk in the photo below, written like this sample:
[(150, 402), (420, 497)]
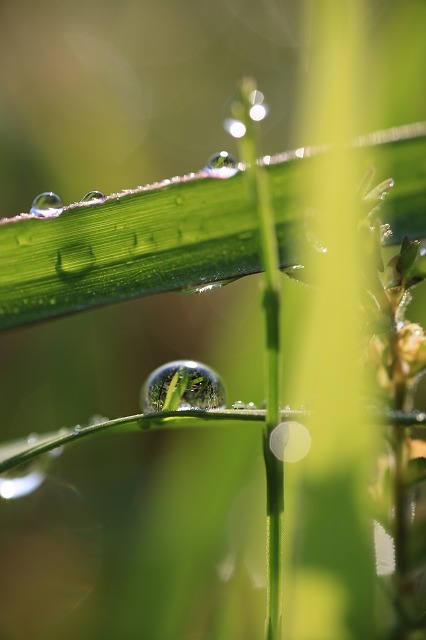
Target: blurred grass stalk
[(333, 571)]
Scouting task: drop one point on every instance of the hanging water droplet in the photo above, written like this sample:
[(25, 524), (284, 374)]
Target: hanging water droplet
[(259, 110), (236, 128), (221, 165), (290, 441), (180, 385), (75, 260), (93, 195), (204, 288), (47, 205), (25, 478), (211, 286), (238, 405), (236, 111)]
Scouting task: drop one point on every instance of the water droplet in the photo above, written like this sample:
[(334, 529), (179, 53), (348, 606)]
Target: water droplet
[(97, 419), (93, 195), (77, 429), (259, 110), (32, 438), (203, 288), (238, 405), (235, 112), (221, 165), (180, 385), (236, 128), (290, 441), (420, 417), (25, 478), (211, 286), (179, 200), (251, 406), (75, 260), (47, 205)]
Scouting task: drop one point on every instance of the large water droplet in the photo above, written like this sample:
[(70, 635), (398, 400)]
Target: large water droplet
[(75, 260), (180, 385), (47, 205), (221, 165), (290, 441), (93, 195)]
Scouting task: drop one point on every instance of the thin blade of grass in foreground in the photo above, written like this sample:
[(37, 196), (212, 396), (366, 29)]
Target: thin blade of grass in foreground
[(246, 108)]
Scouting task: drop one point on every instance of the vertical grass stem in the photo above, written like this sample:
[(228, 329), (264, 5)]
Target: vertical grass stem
[(259, 195)]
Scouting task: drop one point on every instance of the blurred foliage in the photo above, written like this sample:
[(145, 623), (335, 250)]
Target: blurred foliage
[(108, 95)]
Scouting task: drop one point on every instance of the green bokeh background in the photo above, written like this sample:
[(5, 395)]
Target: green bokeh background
[(109, 95)]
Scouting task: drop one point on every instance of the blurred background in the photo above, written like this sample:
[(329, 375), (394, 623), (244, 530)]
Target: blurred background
[(160, 535)]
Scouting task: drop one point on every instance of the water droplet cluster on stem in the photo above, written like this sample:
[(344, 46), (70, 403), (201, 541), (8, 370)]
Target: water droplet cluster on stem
[(180, 385), (234, 113)]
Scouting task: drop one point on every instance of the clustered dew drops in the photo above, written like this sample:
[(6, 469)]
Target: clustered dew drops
[(257, 112), (221, 165), (182, 385), (47, 205)]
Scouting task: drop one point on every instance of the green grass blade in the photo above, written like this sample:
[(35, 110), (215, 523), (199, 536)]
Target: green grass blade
[(181, 232), (20, 451)]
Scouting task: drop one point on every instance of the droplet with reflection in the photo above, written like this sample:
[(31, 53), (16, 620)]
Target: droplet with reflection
[(221, 165), (47, 205), (180, 385), (290, 441), (93, 195)]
